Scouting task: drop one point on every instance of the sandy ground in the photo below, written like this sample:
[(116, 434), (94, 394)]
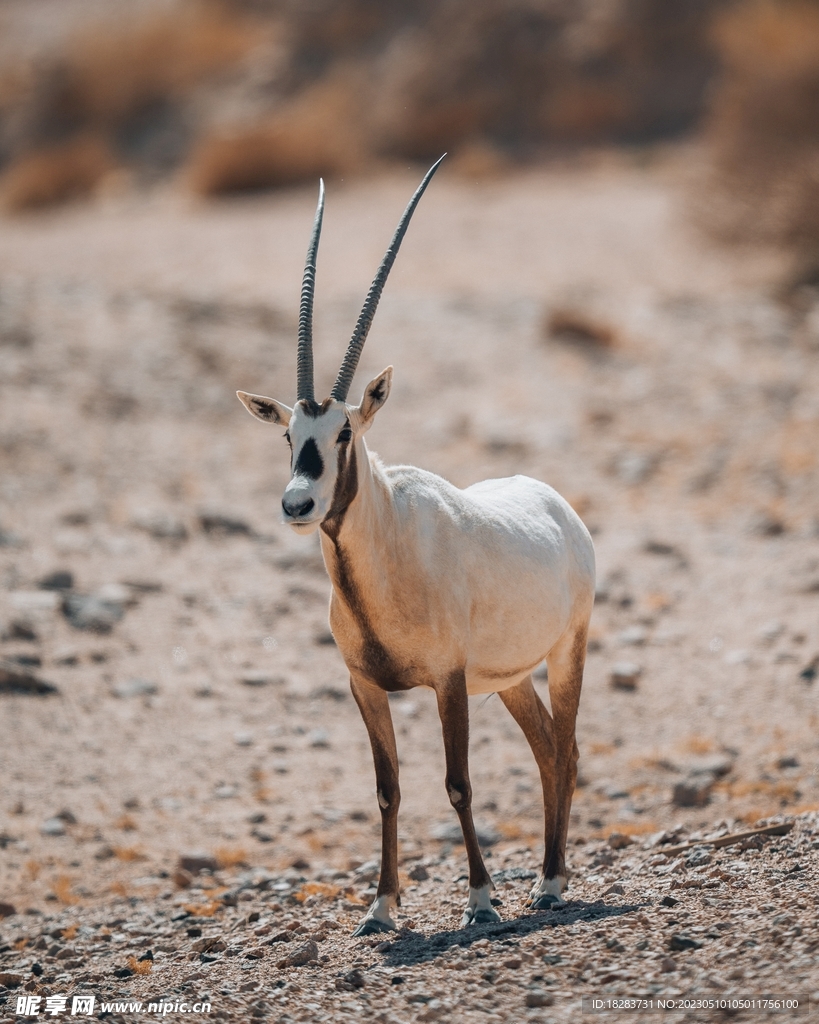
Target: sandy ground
[(209, 712)]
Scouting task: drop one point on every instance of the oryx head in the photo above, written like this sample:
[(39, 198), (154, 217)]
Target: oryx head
[(322, 435)]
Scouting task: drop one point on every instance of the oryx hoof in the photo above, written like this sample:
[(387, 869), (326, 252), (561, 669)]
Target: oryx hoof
[(479, 915), (546, 901), (372, 926)]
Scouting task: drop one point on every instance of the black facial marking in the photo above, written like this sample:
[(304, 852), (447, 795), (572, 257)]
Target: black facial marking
[(309, 463), (267, 410), (313, 409)]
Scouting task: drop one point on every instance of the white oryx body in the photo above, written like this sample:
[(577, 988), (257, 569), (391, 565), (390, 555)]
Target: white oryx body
[(462, 591), (485, 579)]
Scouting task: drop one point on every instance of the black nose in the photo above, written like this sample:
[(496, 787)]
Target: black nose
[(297, 511)]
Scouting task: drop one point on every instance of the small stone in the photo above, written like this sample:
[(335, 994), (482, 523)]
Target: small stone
[(538, 997), (619, 841), (625, 675), (17, 679), (243, 739), (159, 525), (633, 636), (615, 890), (91, 612), (667, 965), (680, 941), (418, 873), (11, 979), (218, 524), (788, 761), (668, 901), (319, 738), (181, 878), (196, 862), (262, 679), (256, 953), (695, 791), (7, 909), (134, 688), (300, 956), (209, 944), (61, 579), (53, 827)]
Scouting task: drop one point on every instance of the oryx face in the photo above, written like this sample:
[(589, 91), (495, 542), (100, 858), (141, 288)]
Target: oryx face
[(322, 444), (323, 436)]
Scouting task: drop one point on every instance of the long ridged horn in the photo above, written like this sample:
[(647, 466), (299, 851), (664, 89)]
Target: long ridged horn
[(304, 365), (344, 379)]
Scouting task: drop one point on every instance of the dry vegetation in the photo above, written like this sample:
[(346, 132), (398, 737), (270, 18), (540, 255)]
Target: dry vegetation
[(246, 96), (763, 126)]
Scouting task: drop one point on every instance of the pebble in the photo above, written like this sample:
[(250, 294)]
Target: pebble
[(7, 909), (695, 791), (53, 827), (300, 956), (619, 841), (218, 524), (625, 675), (197, 862), (60, 579), (95, 613), (17, 679), (262, 679), (243, 739), (134, 688), (418, 873), (538, 997), (633, 636)]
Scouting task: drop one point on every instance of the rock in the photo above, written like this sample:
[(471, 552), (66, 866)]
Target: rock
[(319, 738), (619, 841), (91, 612), (10, 979), (196, 862), (633, 636), (450, 832), (679, 941), (182, 878), (53, 827), (300, 956), (615, 890), (20, 629), (256, 953), (262, 679), (209, 944), (134, 688), (16, 679), (351, 980), (625, 675), (61, 579), (787, 761), (695, 791), (159, 525), (243, 739), (418, 873), (711, 764), (7, 909), (217, 524), (667, 965), (669, 901), (538, 997), (810, 671)]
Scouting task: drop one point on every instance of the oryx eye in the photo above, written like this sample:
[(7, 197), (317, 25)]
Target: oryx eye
[(287, 438), (345, 435)]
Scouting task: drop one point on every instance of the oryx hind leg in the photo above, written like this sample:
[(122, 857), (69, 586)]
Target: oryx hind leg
[(552, 739), (453, 708), (374, 706)]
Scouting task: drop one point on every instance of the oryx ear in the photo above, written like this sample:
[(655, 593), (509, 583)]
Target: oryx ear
[(268, 410), (376, 394)]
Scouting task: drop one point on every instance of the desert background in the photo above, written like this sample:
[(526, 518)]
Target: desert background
[(612, 285)]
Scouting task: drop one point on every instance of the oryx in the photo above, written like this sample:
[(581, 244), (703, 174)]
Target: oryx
[(462, 591)]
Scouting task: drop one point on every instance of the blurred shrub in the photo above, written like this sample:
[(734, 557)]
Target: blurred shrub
[(764, 123), (316, 134), (257, 93), (55, 174)]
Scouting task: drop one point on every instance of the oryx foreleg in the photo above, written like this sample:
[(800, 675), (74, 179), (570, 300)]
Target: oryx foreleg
[(374, 706), (453, 708)]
